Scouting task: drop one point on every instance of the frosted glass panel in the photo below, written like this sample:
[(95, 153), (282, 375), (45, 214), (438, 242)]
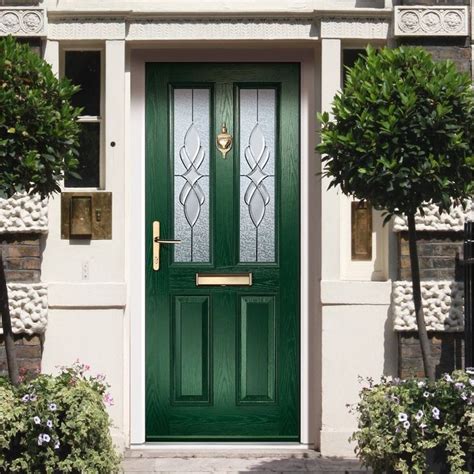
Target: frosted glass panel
[(191, 174), (257, 175)]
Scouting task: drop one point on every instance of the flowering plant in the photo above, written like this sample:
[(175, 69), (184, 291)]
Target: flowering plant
[(57, 423), (401, 421)]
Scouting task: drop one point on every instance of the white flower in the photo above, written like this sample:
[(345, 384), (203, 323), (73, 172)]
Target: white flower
[(470, 370), (40, 440), (53, 407), (25, 398), (471, 382), (421, 383), (49, 424), (46, 438), (406, 424), (402, 417), (33, 397), (448, 378), (436, 413), (37, 420), (419, 415), (464, 396), (57, 444), (426, 394), (459, 385), (423, 425)]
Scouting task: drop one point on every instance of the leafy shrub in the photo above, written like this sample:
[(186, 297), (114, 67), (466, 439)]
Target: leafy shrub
[(56, 424), (400, 421), (38, 127)]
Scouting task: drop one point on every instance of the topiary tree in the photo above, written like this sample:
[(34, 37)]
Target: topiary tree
[(401, 136), (38, 141)]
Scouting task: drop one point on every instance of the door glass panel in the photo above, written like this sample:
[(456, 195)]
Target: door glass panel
[(257, 174), (191, 125)]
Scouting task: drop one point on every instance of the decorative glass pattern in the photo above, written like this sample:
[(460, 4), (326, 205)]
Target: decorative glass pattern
[(191, 125), (257, 174)]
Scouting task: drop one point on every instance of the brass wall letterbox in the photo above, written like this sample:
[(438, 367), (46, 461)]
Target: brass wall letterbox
[(86, 215), (361, 230)]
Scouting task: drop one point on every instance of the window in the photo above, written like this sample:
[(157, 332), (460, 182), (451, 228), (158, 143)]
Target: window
[(349, 58), (84, 68)]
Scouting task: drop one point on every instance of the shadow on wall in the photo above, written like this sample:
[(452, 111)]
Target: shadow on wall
[(451, 353), (370, 3), (390, 357)]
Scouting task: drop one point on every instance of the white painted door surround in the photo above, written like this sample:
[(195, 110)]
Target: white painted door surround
[(309, 227)]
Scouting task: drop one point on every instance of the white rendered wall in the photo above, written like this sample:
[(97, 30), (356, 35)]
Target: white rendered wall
[(357, 337), (87, 278), (357, 340), (95, 337)]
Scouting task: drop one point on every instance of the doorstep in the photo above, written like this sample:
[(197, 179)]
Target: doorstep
[(235, 461)]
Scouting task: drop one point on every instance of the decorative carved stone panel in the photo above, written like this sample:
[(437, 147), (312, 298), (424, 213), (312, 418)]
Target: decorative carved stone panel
[(431, 21), (22, 21)]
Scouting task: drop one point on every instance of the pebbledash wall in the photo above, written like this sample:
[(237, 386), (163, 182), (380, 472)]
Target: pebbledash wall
[(85, 300)]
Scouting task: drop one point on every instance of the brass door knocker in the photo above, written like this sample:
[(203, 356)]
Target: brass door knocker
[(224, 141)]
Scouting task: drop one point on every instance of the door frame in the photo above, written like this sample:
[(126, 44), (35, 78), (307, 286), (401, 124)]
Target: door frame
[(310, 331)]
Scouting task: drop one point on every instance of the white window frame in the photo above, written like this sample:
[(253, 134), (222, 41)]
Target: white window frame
[(100, 119)]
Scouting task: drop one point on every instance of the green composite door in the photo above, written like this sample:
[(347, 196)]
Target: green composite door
[(222, 310)]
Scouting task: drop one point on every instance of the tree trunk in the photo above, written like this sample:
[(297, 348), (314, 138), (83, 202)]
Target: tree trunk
[(10, 349), (420, 317)]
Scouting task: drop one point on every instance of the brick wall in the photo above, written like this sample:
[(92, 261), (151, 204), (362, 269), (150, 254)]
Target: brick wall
[(29, 350), (439, 252), (22, 257), (447, 351), (22, 261), (439, 255)]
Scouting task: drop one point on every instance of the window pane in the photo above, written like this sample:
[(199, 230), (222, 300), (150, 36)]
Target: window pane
[(257, 174), (89, 158), (83, 69), (191, 112)]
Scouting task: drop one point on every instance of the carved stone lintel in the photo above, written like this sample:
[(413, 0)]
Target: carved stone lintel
[(22, 21), (255, 28), (431, 21), (355, 28)]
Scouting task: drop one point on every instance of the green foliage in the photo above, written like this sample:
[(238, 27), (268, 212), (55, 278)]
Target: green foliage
[(38, 127), (402, 132), (400, 421), (56, 424)]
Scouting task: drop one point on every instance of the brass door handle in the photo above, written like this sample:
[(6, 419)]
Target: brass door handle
[(157, 242)]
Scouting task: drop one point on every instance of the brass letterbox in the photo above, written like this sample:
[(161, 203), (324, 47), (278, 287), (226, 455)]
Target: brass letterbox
[(361, 230), (86, 215)]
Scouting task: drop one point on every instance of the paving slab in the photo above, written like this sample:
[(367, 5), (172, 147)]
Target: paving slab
[(236, 462)]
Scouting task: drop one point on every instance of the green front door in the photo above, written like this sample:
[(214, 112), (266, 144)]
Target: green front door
[(222, 310)]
